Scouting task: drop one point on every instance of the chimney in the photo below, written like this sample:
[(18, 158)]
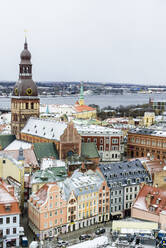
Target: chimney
[(83, 169)]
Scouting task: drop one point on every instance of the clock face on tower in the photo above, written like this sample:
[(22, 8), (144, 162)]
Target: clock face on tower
[(16, 91), (29, 91)]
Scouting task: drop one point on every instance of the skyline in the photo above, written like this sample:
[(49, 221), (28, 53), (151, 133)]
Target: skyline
[(103, 41)]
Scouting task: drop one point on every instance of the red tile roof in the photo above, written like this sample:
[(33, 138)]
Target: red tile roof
[(82, 108), (7, 198), (157, 199), (29, 155), (42, 192)]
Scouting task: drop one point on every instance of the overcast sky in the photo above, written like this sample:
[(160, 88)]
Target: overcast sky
[(95, 40)]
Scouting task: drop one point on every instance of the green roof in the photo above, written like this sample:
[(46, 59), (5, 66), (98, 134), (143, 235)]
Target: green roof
[(49, 175), (89, 150), (45, 150), (5, 140)]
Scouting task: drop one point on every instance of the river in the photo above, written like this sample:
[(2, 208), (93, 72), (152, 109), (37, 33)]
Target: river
[(101, 100)]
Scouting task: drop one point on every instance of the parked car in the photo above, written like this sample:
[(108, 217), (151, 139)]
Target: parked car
[(84, 237), (62, 243), (24, 241), (100, 231)]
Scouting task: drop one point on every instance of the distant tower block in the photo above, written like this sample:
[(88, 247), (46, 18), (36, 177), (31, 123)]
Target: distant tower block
[(81, 99), (25, 102)]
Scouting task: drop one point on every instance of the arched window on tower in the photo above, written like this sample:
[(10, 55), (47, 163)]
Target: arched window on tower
[(26, 105)]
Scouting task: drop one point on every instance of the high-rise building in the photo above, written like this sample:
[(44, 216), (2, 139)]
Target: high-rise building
[(25, 101)]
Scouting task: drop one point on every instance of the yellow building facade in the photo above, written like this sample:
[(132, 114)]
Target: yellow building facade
[(148, 119), (9, 167)]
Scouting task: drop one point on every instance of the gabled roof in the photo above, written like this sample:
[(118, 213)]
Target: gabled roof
[(5, 140), (89, 150), (157, 199), (29, 155), (45, 150), (6, 197), (49, 129)]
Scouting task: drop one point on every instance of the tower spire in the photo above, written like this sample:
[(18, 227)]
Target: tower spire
[(25, 44)]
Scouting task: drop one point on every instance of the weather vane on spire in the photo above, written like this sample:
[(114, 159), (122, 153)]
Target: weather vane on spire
[(25, 31)]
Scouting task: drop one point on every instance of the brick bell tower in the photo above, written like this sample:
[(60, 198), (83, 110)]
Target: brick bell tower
[(25, 102)]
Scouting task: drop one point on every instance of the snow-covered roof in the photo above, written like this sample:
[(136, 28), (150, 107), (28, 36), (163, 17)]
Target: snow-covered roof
[(97, 130), (96, 242), (16, 144), (82, 183), (49, 129)]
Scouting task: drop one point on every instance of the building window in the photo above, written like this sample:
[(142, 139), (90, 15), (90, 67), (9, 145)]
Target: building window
[(26, 106), (55, 221), (7, 231), (14, 219), (1, 221), (7, 220), (14, 230), (32, 105), (101, 148), (101, 141), (45, 215), (89, 140), (114, 141), (95, 140), (50, 214)]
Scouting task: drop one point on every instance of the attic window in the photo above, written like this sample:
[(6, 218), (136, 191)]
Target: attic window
[(36, 131), (28, 130), (44, 133), (8, 207), (43, 127)]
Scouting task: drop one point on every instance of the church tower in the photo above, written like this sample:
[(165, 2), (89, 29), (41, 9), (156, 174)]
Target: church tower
[(25, 102), (81, 99)]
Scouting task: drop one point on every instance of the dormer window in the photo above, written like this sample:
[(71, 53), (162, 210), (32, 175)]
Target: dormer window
[(138, 181), (8, 207)]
